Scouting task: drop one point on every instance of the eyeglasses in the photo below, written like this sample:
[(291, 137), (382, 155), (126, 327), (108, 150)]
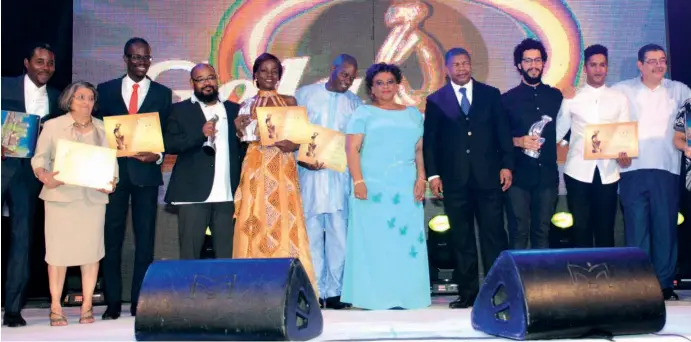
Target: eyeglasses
[(211, 78), (140, 58), (532, 60), (84, 98), (660, 61)]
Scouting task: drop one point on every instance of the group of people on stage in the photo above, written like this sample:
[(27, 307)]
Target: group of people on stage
[(360, 235)]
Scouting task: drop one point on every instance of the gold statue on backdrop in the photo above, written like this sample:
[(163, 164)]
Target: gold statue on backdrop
[(405, 19)]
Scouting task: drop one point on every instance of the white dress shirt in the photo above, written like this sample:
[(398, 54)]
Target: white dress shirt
[(35, 98), (127, 86), (221, 190), (459, 97), (468, 91), (655, 111), (590, 106)]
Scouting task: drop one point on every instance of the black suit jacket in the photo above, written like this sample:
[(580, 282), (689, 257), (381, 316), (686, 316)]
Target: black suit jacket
[(13, 100), (159, 99), (193, 173), (467, 150)]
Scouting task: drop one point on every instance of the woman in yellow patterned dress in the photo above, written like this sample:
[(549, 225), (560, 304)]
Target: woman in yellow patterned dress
[(269, 221)]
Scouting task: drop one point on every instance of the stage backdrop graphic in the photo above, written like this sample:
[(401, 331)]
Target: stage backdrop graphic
[(307, 35)]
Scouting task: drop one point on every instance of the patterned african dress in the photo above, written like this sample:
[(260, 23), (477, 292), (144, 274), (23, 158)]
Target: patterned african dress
[(268, 208)]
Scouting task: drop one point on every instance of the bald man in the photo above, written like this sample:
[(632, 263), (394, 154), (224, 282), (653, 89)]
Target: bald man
[(324, 192), (203, 182)]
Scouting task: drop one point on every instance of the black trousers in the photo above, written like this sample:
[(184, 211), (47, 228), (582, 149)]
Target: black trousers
[(21, 194), (144, 210), (533, 209), (462, 206), (193, 219), (594, 209)]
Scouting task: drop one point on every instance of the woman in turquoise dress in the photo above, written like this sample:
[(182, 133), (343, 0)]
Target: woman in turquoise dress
[(386, 257)]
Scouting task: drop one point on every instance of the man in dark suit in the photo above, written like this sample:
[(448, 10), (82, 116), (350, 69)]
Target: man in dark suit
[(467, 146), (27, 94), (203, 182), (140, 175)]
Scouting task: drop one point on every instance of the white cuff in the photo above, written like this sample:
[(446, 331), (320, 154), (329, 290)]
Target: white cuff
[(429, 179)]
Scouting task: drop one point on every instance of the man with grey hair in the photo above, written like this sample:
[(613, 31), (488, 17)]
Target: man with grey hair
[(324, 195), (649, 188)]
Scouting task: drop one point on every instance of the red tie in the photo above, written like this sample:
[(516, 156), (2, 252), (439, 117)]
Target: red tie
[(134, 99)]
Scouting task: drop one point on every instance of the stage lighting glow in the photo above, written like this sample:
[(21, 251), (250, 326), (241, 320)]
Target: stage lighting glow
[(680, 219), (439, 223), (562, 220)]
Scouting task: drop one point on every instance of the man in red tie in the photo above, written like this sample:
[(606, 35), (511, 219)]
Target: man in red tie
[(140, 175)]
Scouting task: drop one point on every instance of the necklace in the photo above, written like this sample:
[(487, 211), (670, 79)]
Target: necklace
[(266, 98), (84, 125)]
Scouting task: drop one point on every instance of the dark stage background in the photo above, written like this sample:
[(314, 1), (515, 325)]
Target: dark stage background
[(88, 36)]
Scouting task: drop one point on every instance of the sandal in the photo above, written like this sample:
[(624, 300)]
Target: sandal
[(57, 322), (87, 317)]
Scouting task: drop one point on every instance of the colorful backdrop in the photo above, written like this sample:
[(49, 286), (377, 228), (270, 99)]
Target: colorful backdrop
[(307, 35)]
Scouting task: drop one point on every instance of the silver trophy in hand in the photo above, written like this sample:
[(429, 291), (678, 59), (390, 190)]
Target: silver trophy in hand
[(209, 146), (536, 131)]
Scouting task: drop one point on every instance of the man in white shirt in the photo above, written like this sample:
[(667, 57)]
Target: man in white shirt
[(203, 182), (27, 93), (591, 185), (649, 188), (140, 175)]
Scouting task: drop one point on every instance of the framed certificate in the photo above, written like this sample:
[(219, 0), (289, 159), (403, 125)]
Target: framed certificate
[(606, 141), (283, 123), (131, 134), (84, 165), (326, 146)]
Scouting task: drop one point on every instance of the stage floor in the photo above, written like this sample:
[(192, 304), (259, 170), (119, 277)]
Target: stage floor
[(434, 323)]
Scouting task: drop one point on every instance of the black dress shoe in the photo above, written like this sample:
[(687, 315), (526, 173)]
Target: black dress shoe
[(335, 303), (463, 302), (321, 303), (111, 313), (13, 320), (669, 294)]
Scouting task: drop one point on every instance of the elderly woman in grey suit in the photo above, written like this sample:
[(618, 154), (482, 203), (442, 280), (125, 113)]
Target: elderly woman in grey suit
[(74, 215)]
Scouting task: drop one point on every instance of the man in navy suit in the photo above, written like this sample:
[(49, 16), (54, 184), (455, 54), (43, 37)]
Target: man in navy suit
[(27, 93), (140, 175), (469, 158)]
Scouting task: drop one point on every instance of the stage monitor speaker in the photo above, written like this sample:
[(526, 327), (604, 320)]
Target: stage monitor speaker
[(570, 293), (227, 299)]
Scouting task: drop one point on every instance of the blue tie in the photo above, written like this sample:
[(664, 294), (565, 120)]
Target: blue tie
[(465, 104)]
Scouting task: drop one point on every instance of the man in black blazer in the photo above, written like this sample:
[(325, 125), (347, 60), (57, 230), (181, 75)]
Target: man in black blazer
[(140, 175), (27, 94), (202, 184), (467, 146)]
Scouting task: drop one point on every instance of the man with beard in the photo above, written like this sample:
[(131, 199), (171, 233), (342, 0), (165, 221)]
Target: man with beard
[(649, 188), (468, 159), (592, 184), (324, 195), (202, 184), (27, 93), (140, 175), (536, 179)]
